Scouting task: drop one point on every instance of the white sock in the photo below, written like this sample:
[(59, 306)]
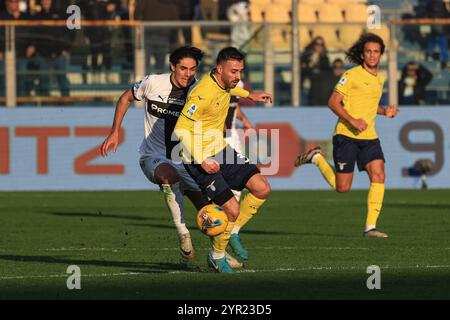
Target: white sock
[(237, 195), (236, 229), (313, 159), (369, 228), (217, 255), (174, 201)]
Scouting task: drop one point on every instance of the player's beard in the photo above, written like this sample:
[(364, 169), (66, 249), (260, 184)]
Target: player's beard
[(233, 84)]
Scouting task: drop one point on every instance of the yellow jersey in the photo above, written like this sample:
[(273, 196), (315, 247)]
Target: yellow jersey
[(201, 123), (362, 93)]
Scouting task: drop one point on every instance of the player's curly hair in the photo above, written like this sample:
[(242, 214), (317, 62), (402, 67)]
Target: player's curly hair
[(355, 53), (186, 52), (229, 53)]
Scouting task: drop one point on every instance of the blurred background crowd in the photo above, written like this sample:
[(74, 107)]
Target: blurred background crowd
[(94, 64)]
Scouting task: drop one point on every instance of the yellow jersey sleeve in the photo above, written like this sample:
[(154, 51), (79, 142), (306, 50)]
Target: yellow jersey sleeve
[(239, 92), (186, 130), (194, 107), (344, 84)]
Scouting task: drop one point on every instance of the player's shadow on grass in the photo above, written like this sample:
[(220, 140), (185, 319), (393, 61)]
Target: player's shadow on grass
[(152, 225), (265, 232), (131, 266), (166, 267), (255, 232), (100, 214)]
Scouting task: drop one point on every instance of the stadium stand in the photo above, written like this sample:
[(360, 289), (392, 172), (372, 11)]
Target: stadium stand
[(355, 12), (339, 22)]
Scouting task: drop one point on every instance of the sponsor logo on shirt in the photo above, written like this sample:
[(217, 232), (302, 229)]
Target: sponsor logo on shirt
[(192, 110), (160, 110), (179, 102)]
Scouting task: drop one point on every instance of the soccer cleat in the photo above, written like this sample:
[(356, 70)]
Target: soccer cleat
[(374, 233), (233, 262), (220, 265), (238, 249), (307, 156), (187, 251)]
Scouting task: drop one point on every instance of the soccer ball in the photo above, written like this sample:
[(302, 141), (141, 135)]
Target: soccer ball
[(212, 220)]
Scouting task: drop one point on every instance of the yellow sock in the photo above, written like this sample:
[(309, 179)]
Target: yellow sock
[(220, 241), (247, 209), (374, 203), (326, 169)]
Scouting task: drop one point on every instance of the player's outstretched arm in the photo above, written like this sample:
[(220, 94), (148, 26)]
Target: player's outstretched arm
[(260, 97), (112, 141), (335, 104), (241, 116), (390, 111)]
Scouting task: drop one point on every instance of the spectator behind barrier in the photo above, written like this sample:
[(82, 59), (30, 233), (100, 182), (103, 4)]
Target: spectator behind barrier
[(438, 33), (411, 86), (238, 12), (160, 41), (99, 37), (52, 49), (315, 68), (24, 49)]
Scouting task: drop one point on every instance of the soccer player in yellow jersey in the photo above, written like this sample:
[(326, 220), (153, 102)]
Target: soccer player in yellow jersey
[(215, 166), (355, 101)]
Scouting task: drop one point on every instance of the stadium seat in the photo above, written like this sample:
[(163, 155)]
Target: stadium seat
[(305, 36), (348, 34), (257, 11), (287, 3), (307, 13), (197, 38), (356, 12), (312, 1), (328, 33), (383, 33), (340, 2), (213, 43), (276, 13), (262, 3), (281, 37), (330, 13)]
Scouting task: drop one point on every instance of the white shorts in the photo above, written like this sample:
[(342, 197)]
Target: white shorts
[(150, 163)]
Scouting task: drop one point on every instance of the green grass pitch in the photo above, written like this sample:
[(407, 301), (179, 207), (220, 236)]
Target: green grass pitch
[(302, 245)]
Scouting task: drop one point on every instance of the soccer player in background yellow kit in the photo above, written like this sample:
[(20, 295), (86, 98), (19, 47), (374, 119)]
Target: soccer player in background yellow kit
[(215, 166), (355, 101)]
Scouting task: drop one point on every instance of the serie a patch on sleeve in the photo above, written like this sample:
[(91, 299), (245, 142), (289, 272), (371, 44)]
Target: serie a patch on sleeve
[(137, 85), (342, 81), (192, 110)]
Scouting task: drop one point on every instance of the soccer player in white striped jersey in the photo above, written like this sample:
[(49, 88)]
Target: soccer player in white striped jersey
[(164, 95)]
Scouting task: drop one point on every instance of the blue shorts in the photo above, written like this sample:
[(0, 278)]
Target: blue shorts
[(347, 151), (235, 171)]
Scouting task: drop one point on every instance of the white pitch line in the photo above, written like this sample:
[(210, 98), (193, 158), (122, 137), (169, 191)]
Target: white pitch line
[(206, 248), (203, 248), (62, 249), (342, 268), (318, 268), (67, 275)]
